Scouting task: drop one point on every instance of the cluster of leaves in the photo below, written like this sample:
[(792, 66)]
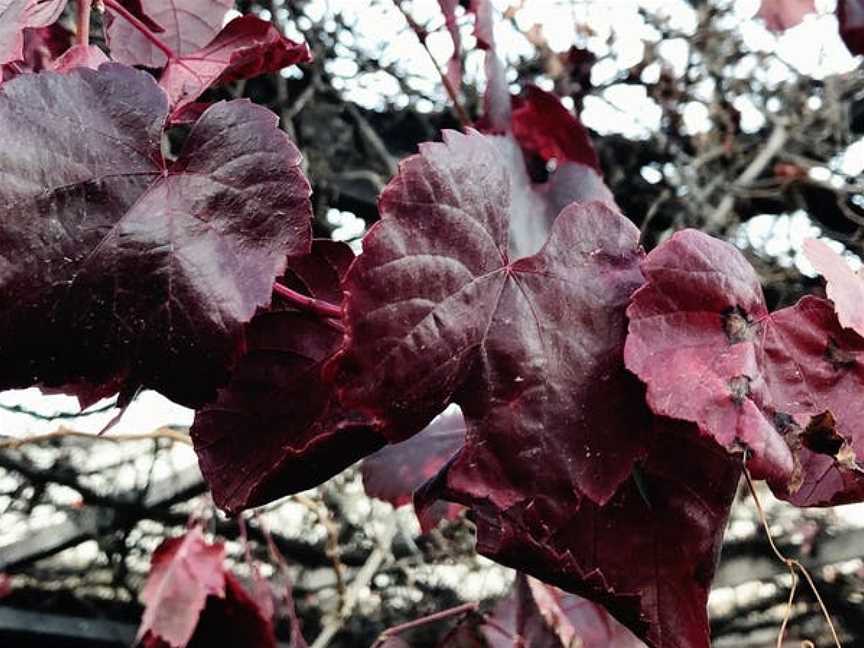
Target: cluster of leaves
[(607, 396), (192, 599)]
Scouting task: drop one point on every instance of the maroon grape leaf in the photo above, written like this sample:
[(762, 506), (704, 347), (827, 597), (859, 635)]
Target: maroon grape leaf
[(844, 286), (780, 15), (89, 56), (184, 571), (437, 312), (393, 642), (671, 517), (575, 178), (232, 620), (235, 620), (484, 23), (850, 15), (186, 26), (465, 635), (276, 428), (781, 385), (542, 125), (393, 473), (11, 30), (245, 48), (694, 340), (118, 267)]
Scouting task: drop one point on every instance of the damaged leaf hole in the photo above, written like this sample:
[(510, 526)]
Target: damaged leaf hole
[(739, 389), (737, 325), (839, 358)]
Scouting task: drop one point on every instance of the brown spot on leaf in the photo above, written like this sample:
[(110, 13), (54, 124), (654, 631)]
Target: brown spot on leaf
[(821, 436), (737, 325), (739, 388), (839, 358), (791, 431)]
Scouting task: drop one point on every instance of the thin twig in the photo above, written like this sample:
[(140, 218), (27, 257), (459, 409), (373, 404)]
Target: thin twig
[(82, 22), (296, 640), (159, 433), (772, 147), (352, 593), (332, 546), (792, 565), (421, 621), (317, 306), (372, 139), (18, 409), (452, 92)]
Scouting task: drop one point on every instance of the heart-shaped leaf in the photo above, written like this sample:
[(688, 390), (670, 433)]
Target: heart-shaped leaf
[(18, 15), (120, 267), (437, 312), (850, 15)]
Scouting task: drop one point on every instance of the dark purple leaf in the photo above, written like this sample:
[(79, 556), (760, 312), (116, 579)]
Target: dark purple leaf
[(671, 519), (525, 619), (245, 48), (539, 615), (815, 371), (594, 626), (438, 312), (119, 268), (184, 571), (276, 429), (42, 45), (694, 340), (536, 205)]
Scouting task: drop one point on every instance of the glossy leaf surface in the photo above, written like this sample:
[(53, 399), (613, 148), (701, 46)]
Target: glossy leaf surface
[(119, 268)]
